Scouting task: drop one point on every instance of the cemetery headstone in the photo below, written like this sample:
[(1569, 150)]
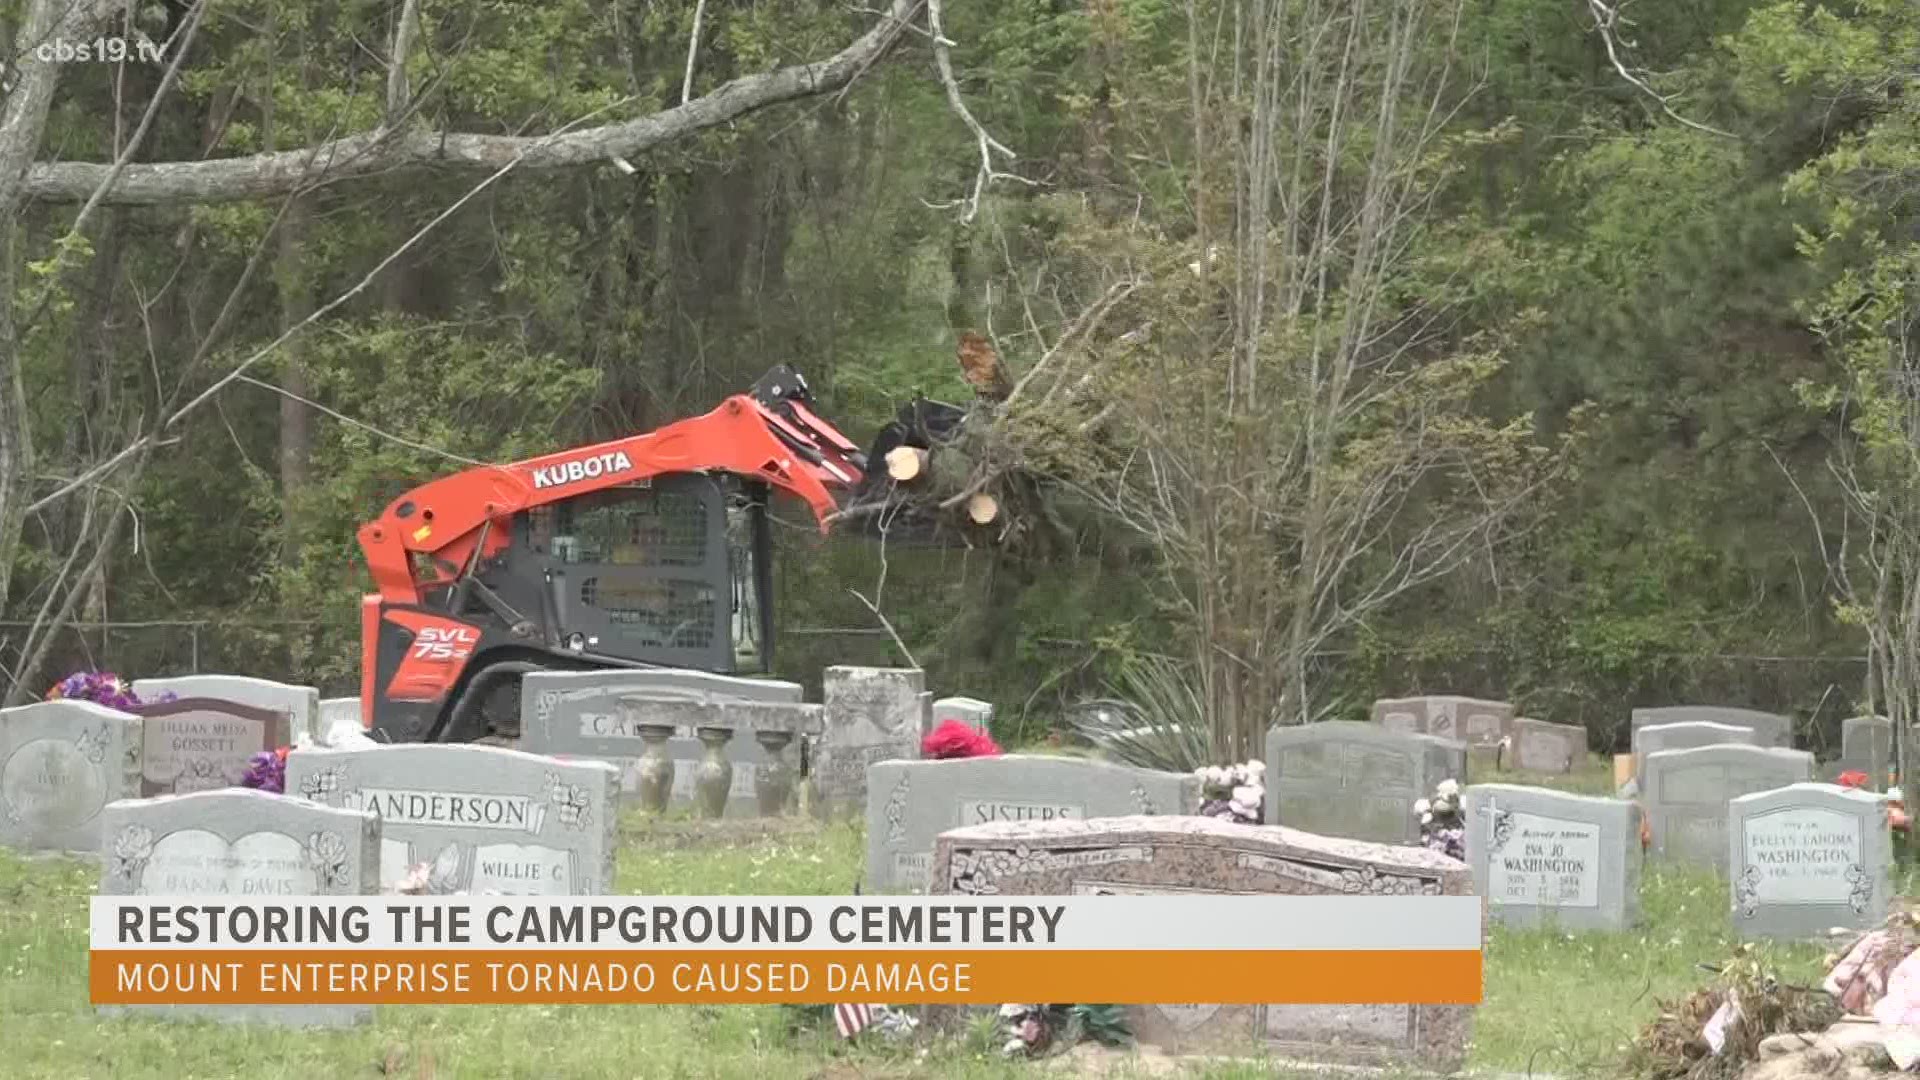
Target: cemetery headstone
[(910, 803), (240, 842), (1547, 856), (1469, 720), (1165, 855), (1686, 792), (1543, 747), (201, 744), (1807, 858), (61, 763), (300, 704), (482, 819), (1358, 781), (1770, 729), (872, 714), (1866, 745), (1687, 735), (976, 714), (579, 714), (338, 710)]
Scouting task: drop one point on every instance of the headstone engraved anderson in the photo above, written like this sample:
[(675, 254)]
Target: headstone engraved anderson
[(482, 819)]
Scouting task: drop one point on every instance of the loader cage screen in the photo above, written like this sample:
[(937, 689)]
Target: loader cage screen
[(665, 573)]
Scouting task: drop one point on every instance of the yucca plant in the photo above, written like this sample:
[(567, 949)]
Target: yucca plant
[(1152, 716)]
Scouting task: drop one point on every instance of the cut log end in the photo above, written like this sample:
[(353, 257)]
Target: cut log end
[(983, 508), (906, 463)]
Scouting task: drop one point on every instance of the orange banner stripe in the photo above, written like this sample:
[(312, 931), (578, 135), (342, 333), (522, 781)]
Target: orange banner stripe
[(520, 976)]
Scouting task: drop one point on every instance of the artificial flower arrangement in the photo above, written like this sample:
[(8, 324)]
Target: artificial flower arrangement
[(1897, 818), (957, 739), (1036, 1030), (267, 771), (1442, 825), (1236, 793), (101, 688)]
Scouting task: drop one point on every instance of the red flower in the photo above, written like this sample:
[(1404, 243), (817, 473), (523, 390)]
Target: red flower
[(1853, 778), (282, 754), (1897, 818), (955, 739)]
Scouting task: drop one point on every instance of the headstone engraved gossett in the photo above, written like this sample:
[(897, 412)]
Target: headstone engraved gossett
[(203, 744), (299, 704)]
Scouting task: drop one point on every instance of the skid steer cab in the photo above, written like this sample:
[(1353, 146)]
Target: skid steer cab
[(647, 551)]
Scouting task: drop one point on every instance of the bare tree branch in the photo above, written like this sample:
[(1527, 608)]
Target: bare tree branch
[(398, 92), (693, 51), (989, 146), (278, 172), (1606, 21)]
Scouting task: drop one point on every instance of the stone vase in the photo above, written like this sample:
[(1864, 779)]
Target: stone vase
[(774, 785), (713, 777), (655, 768)]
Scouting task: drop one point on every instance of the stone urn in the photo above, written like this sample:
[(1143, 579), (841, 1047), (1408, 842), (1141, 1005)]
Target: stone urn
[(774, 784), (713, 777), (655, 768)]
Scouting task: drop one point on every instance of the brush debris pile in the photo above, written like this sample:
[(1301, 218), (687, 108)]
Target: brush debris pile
[(1863, 1020)]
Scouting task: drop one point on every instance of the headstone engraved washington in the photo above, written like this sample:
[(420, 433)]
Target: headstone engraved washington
[(482, 819), (1469, 720), (240, 843), (1686, 736), (300, 704), (201, 744), (61, 763), (579, 715), (910, 803), (872, 714), (1807, 858), (1686, 792), (1542, 747), (1866, 745), (1158, 855), (1358, 781), (1548, 856), (1770, 729)]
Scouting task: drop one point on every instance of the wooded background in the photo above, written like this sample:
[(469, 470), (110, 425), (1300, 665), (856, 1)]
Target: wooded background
[(1544, 350)]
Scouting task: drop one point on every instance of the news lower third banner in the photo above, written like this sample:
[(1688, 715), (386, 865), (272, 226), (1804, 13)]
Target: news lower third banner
[(486, 950)]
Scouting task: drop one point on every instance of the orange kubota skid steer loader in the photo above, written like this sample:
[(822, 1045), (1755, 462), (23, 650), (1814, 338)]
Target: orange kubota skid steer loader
[(646, 551)]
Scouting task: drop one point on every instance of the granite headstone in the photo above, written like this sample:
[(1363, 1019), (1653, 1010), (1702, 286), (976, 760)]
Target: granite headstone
[(872, 714), (200, 744), (1686, 792), (1469, 720), (972, 712), (1547, 856), (1165, 855), (61, 763), (1807, 858), (1686, 736), (1866, 745), (300, 704), (240, 843), (1770, 729), (910, 803), (1359, 781), (482, 819), (1543, 747)]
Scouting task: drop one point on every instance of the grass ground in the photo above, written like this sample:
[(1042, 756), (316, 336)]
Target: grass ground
[(1556, 1003)]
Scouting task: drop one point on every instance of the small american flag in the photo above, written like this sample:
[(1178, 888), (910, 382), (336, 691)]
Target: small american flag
[(851, 1019)]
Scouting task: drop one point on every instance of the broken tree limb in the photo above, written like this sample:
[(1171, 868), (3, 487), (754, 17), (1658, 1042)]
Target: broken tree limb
[(983, 508), (906, 463)]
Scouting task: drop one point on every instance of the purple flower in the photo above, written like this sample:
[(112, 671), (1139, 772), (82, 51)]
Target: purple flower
[(101, 688), (266, 771)]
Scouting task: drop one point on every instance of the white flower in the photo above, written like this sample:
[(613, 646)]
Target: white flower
[(1200, 774), (1421, 806), (1014, 1012), (1219, 777), (1257, 768), (1893, 793), (1448, 788), (1246, 795), (1426, 819)]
